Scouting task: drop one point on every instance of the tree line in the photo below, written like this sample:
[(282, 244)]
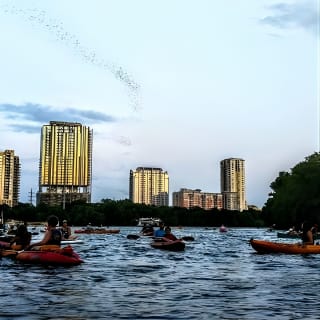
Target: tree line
[(125, 213)]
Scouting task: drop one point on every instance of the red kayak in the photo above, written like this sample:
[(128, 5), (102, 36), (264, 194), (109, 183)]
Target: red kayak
[(62, 256), (166, 244)]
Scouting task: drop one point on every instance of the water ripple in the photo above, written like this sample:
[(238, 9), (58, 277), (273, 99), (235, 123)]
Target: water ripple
[(218, 276)]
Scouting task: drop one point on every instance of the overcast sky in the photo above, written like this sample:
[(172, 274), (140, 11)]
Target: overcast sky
[(176, 84)]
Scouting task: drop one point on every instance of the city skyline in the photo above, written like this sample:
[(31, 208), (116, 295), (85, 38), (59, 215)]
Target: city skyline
[(175, 85)]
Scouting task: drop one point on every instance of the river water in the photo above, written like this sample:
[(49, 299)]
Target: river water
[(218, 276)]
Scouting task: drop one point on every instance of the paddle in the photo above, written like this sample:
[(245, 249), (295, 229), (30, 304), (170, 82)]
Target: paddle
[(133, 236), (9, 253), (188, 238)]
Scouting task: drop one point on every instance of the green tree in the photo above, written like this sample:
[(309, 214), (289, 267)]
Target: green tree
[(295, 195)]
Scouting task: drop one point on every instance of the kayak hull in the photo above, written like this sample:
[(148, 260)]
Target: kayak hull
[(64, 256), (176, 245), (262, 246)]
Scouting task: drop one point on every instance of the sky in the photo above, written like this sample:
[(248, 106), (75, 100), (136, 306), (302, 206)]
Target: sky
[(175, 84)]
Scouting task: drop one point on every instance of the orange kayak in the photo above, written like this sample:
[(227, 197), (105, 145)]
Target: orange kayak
[(263, 246)]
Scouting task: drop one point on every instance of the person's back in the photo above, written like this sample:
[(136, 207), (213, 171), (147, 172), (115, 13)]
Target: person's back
[(55, 238), (22, 238), (307, 236), (160, 232)]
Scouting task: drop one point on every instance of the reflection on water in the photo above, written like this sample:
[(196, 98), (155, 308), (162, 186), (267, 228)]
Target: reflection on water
[(218, 276)]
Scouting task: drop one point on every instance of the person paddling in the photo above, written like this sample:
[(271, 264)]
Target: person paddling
[(169, 235), (52, 235), (66, 231), (160, 232)]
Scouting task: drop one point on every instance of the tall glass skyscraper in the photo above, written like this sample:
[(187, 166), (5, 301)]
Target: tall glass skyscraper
[(149, 186), (65, 169), (232, 172), (9, 178)]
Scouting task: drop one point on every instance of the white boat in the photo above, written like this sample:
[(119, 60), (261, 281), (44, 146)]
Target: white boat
[(148, 221)]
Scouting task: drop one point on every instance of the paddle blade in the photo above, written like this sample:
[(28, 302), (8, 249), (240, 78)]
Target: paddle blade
[(188, 238), (8, 253), (133, 236)]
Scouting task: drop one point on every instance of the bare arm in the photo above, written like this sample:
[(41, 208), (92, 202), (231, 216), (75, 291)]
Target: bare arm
[(45, 239), (310, 238)]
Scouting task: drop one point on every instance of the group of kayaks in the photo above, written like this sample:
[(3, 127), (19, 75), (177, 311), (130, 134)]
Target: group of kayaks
[(65, 255), (50, 254), (164, 243)]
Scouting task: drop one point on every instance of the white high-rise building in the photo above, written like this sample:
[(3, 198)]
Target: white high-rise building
[(232, 181), (9, 178), (149, 186)]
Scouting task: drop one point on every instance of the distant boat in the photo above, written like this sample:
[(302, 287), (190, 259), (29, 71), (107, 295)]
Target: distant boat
[(154, 222)]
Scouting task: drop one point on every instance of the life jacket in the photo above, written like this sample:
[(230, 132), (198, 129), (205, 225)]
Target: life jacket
[(56, 237), (65, 232)]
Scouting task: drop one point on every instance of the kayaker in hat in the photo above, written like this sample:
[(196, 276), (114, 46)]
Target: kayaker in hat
[(66, 231)]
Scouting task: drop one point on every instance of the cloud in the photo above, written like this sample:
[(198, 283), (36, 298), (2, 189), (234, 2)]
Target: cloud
[(43, 114), (25, 128), (303, 15), (125, 141)]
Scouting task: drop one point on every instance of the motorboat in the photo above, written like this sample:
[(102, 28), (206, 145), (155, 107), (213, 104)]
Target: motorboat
[(154, 222)]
